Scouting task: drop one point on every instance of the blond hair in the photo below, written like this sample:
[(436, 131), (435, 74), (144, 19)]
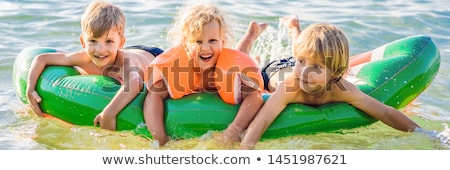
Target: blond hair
[(328, 44), (188, 24), (101, 17)]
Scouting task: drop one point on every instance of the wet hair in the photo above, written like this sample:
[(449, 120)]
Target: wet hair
[(188, 24), (101, 17), (326, 43)]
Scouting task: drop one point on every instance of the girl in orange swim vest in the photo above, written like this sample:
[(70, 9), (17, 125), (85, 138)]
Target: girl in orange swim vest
[(200, 62)]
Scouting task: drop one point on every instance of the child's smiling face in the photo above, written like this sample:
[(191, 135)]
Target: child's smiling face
[(103, 50), (207, 46)]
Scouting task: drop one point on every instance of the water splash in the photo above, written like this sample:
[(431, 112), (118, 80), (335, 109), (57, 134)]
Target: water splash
[(443, 137), (272, 44)]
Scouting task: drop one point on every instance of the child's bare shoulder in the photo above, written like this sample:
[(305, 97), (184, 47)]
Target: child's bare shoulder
[(136, 58), (345, 91)]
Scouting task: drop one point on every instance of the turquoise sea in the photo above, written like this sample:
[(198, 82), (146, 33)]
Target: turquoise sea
[(368, 24)]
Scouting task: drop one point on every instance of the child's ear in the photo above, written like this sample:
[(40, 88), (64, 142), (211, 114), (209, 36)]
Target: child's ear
[(122, 42), (82, 41)]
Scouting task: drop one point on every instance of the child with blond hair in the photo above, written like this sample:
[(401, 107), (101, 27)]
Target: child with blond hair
[(102, 37), (198, 63), (321, 56)]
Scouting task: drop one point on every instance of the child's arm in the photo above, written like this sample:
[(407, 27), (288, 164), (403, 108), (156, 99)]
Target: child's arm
[(154, 111), (37, 66), (249, 107), (378, 110), (129, 90), (276, 103)]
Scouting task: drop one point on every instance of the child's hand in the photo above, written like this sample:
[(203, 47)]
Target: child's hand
[(106, 122), (231, 134), (246, 147), (34, 99)]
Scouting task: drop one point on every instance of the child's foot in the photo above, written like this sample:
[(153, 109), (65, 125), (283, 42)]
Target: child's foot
[(257, 59), (253, 31), (292, 24)]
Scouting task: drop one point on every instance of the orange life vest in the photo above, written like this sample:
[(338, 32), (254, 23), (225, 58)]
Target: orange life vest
[(233, 69)]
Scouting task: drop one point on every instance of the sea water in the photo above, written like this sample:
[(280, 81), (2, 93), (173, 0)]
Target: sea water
[(368, 24)]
